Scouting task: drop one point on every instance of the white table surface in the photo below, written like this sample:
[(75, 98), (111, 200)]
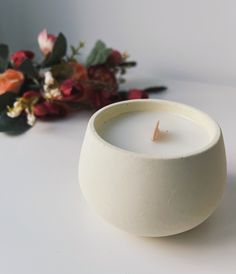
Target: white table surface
[(46, 226)]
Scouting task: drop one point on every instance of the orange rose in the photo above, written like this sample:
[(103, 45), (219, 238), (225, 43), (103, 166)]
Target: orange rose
[(79, 71), (11, 80)]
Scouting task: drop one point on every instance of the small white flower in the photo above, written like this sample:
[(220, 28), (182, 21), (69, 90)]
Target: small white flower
[(51, 93), (16, 110), (48, 80), (30, 117), (55, 92), (125, 55)]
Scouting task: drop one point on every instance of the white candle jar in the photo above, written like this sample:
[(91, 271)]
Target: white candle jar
[(150, 194)]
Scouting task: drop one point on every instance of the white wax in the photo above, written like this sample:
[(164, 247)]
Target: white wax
[(133, 131)]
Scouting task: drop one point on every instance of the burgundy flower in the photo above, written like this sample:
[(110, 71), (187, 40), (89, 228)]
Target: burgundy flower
[(20, 56), (79, 72), (49, 110), (103, 98), (137, 94), (114, 58), (72, 90), (101, 77), (67, 87)]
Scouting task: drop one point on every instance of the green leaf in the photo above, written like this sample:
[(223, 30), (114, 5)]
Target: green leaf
[(28, 69), (7, 99), (58, 52), (13, 126), (4, 57), (98, 55)]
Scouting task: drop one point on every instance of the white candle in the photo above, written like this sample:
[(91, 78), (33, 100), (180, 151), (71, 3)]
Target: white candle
[(151, 188), (133, 131)]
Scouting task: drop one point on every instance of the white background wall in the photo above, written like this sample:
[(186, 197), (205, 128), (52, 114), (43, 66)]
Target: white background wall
[(184, 39)]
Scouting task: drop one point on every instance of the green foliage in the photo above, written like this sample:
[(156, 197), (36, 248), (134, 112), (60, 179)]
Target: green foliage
[(98, 55), (28, 69), (76, 51), (58, 52), (4, 57), (13, 126), (7, 99)]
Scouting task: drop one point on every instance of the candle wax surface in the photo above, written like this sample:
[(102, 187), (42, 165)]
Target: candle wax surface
[(133, 131)]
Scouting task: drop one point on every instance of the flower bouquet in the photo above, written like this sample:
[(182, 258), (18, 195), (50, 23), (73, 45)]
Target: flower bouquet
[(59, 84)]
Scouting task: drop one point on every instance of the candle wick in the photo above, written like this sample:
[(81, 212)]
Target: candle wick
[(156, 132)]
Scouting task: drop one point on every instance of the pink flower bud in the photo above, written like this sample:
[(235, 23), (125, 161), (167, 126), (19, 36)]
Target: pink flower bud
[(46, 42)]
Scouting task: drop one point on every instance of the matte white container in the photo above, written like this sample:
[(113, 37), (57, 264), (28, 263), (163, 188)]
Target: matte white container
[(146, 195)]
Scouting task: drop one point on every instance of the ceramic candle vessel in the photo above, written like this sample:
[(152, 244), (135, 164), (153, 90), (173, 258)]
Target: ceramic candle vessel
[(152, 194)]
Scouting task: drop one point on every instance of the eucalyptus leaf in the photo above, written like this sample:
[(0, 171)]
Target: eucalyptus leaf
[(7, 99), (28, 69), (58, 52), (4, 57), (13, 126), (99, 54)]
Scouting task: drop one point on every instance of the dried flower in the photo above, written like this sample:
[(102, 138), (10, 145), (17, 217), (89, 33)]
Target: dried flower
[(60, 84)]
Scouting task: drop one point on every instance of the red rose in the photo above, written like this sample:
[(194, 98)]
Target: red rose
[(114, 58), (137, 94), (19, 56), (49, 110)]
